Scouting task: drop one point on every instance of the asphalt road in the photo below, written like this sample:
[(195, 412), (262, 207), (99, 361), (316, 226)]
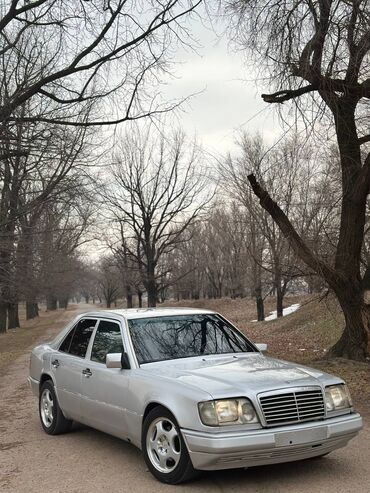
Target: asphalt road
[(86, 460)]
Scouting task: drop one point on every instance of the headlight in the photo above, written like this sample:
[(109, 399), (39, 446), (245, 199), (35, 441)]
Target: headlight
[(227, 412), (337, 397)]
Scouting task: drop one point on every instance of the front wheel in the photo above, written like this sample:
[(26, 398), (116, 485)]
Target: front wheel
[(164, 448), (51, 416)]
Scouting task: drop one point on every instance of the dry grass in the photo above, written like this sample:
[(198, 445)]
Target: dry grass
[(303, 336)]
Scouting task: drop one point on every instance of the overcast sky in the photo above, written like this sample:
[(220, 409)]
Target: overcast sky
[(228, 100)]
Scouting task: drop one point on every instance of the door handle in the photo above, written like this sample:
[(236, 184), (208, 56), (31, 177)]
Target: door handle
[(87, 372), (55, 363)]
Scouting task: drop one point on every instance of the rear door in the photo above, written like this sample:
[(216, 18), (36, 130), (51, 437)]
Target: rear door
[(68, 364), (104, 389)]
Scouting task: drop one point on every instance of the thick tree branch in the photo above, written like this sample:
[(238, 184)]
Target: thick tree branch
[(298, 245), (286, 95), (364, 139), (325, 84)]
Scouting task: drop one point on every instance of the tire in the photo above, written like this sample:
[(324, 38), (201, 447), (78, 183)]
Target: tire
[(164, 449), (52, 419)]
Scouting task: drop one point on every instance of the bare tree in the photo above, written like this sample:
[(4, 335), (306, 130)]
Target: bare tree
[(129, 269), (88, 283), (40, 163), (187, 265), (62, 229), (268, 249), (318, 53), (157, 192), (79, 54), (81, 64), (109, 281)]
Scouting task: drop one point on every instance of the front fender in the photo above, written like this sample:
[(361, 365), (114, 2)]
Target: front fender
[(180, 399)]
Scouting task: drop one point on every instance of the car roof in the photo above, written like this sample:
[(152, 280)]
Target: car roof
[(132, 313)]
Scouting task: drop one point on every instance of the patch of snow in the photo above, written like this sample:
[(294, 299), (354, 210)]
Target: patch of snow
[(286, 311)]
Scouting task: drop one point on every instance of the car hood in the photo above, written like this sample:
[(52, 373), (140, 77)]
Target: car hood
[(246, 374)]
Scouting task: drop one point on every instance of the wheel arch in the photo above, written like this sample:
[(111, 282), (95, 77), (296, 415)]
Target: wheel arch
[(45, 377), (152, 405)]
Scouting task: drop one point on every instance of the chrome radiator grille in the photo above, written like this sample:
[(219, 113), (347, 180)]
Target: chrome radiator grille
[(293, 407)]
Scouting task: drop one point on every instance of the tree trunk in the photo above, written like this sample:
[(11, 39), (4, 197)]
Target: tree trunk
[(32, 310), (353, 343), (13, 316), (63, 303), (140, 298), (152, 292), (152, 297), (129, 296), (278, 287), (259, 305), (3, 316), (51, 302), (279, 301)]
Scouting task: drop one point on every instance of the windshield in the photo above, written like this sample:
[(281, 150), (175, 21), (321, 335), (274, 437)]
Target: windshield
[(184, 336)]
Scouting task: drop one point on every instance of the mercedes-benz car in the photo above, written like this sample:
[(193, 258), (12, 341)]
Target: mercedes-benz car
[(190, 390)]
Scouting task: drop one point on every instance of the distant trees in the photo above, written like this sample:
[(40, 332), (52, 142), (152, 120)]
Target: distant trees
[(109, 281), (129, 270), (39, 171), (282, 168), (65, 226), (317, 55), (216, 261), (56, 84), (157, 192), (223, 253)]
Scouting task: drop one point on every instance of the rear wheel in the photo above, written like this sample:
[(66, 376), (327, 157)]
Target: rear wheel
[(51, 416), (164, 448)]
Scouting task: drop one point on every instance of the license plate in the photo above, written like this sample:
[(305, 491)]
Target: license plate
[(286, 438)]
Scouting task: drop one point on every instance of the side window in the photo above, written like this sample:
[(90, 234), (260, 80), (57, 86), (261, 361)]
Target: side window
[(107, 340), (81, 337)]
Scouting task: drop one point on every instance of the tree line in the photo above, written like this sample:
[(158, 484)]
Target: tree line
[(260, 220), (56, 89)]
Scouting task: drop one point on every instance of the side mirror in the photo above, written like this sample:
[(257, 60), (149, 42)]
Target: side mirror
[(261, 347), (118, 360), (125, 362)]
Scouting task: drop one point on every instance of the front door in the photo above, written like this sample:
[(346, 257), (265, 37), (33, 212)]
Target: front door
[(104, 389)]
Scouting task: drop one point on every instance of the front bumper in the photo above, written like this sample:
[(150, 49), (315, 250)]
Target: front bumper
[(210, 451)]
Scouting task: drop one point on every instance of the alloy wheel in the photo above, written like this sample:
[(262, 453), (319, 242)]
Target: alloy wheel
[(163, 445)]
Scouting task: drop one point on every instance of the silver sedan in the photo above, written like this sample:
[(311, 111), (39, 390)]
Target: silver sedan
[(190, 390)]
